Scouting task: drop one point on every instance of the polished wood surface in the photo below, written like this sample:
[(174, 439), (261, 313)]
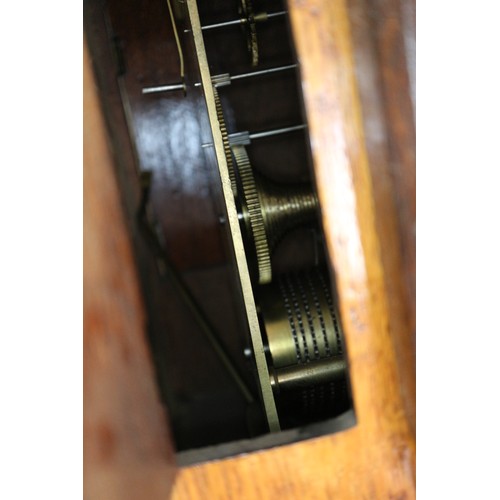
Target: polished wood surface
[(127, 451)]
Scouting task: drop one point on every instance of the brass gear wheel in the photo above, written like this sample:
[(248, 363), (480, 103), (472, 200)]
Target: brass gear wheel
[(270, 210), (255, 215), (225, 140)]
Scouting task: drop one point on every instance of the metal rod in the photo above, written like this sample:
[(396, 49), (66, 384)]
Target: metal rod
[(163, 88), (181, 86), (223, 24), (257, 73), (237, 21), (268, 133), (263, 72), (276, 14), (259, 135)]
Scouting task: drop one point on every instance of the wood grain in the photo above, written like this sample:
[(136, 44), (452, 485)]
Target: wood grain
[(126, 444), (379, 37), (375, 459)]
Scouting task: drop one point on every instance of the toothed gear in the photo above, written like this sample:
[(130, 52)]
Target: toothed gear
[(256, 219), (225, 140)]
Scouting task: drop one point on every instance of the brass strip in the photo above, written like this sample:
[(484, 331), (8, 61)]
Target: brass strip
[(233, 223), (177, 41)]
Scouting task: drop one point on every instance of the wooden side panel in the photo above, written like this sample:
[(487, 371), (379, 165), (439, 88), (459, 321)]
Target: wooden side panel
[(382, 37), (359, 196), (127, 451)]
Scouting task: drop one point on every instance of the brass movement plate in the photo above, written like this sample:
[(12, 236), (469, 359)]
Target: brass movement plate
[(233, 224)]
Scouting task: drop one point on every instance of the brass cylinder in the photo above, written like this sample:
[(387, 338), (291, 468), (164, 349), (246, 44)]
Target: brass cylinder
[(300, 319), (285, 207), (306, 358), (270, 210), (318, 372)]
